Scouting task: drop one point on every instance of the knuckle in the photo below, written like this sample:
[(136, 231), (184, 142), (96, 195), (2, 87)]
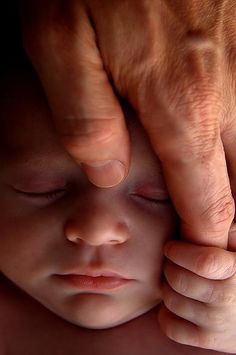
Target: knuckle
[(199, 102), (216, 264), (215, 318), (207, 293), (203, 142), (226, 298), (207, 340), (222, 296), (88, 132), (180, 283), (207, 263), (221, 210), (202, 55), (88, 127)]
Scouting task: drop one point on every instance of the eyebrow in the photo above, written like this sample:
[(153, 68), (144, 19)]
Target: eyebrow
[(28, 167)]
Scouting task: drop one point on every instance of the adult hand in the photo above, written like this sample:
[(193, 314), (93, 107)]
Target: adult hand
[(175, 62)]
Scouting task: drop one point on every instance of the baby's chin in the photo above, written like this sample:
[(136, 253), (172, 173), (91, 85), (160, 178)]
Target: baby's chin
[(107, 320)]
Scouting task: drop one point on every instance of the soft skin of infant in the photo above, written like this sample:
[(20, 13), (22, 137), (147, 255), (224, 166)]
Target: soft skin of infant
[(55, 224)]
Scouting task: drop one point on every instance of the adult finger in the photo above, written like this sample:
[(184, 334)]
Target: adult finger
[(193, 160), (87, 113), (171, 70), (229, 140), (174, 76), (181, 101), (228, 124)]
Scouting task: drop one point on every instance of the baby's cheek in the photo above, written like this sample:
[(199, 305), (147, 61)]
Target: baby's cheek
[(165, 222), (170, 223)]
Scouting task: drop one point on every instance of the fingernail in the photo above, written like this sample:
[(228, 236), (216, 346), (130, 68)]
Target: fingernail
[(104, 173)]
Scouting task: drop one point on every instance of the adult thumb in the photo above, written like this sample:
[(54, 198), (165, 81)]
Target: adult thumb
[(86, 112)]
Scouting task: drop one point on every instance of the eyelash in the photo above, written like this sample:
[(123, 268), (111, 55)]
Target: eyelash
[(152, 201), (56, 194), (50, 195)]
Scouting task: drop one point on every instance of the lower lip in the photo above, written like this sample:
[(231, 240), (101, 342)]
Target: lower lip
[(94, 283)]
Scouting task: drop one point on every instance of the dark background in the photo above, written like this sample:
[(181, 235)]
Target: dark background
[(11, 47)]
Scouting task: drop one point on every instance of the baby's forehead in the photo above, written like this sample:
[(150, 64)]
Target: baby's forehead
[(29, 135)]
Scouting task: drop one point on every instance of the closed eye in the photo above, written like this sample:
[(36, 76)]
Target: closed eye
[(160, 199), (51, 195)]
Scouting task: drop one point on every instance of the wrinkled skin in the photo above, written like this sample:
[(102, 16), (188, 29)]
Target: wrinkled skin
[(175, 63)]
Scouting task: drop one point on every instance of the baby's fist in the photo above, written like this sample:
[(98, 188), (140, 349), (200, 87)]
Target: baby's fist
[(199, 296)]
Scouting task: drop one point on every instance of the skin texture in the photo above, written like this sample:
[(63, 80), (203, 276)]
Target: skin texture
[(42, 329), (55, 222), (175, 62), (36, 246), (199, 296)]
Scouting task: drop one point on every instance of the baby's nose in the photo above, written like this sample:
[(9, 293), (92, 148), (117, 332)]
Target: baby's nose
[(96, 229)]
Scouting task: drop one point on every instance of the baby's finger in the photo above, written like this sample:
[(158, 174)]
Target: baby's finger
[(188, 284), (185, 332), (210, 262), (193, 311)]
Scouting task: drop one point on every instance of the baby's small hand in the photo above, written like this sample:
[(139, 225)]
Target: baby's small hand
[(199, 296)]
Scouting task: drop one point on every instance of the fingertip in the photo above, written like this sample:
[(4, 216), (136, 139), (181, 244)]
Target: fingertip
[(105, 174)]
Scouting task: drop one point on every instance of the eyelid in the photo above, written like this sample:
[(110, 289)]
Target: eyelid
[(151, 193), (38, 188), (44, 195), (40, 182)]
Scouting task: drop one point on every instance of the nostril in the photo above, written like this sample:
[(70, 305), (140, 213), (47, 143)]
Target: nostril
[(73, 238)]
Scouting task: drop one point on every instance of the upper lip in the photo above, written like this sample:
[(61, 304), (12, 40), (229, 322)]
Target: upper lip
[(95, 273)]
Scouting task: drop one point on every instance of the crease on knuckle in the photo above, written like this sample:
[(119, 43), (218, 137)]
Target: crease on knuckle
[(228, 267), (89, 131), (180, 284), (207, 340), (215, 264), (221, 210), (207, 263), (199, 101), (221, 296), (208, 293), (226, 298), (215, 318)]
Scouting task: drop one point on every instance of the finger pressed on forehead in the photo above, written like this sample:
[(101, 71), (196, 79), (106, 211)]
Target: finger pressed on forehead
[(28, 132)]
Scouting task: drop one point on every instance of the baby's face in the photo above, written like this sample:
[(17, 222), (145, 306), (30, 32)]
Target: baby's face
[(55, 226)]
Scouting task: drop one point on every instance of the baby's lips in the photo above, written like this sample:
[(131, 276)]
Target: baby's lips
[(106, 173)]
